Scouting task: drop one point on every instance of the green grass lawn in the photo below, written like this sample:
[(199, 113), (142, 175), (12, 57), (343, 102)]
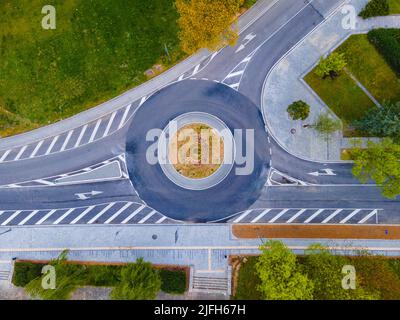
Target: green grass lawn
[(248, 281), (394, 6), (99, 49)]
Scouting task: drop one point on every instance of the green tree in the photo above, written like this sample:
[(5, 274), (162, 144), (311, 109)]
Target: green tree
[(382, 122), (207, 23), (326, 125), (299, 110), (331, 66), (139, 281), (280, 276), (379, 162)]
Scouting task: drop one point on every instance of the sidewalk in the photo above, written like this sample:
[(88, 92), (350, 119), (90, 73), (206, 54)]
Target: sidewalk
[(285, 84)]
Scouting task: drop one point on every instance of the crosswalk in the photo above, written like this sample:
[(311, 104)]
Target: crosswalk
[(121, 212), (308, 216)]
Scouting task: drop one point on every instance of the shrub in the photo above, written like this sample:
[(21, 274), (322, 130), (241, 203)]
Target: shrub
[(387, 42), (299, 110), (173, 281), (326, 125), (331, 66), (375, 8), (25, 272)]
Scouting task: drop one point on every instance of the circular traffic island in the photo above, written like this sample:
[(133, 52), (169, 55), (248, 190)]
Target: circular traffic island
[(197, 151)]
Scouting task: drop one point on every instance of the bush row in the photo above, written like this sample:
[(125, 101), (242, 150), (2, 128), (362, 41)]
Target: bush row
[(375, 8)]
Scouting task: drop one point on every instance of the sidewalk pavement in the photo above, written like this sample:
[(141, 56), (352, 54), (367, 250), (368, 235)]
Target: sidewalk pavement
[(285, 84)]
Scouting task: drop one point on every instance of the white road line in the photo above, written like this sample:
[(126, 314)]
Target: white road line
[(134, 213), (162, 219), (248, 58), (280, 214), (143, 100), (242, 216), (52, 145), (181, 77), (4, 156), (25, 220), (262, 214), (298, 214), (66, 140), (36, 149), (21, 151), (44, 182), (1, 212), (101, 213), (84, 213), (152, 213), (78, 142), (64, 216), (46, 216), (234, 74), (235, 85), (96, 128), (312, 217), (350, 216), (213, 55), (124, 116), (110, 122), (11, 217), (366, 218), (196, 69), (118, 212), (330, 217)]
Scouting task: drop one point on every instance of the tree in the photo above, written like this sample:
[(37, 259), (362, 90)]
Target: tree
[(379, 162), (299, 110), (382, 122), (207, 23), (331, 66), (326, 271), (139, 281), (280, 275), (326, 125)]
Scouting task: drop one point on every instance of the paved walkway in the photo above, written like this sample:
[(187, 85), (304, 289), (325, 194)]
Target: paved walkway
[(284, 85)]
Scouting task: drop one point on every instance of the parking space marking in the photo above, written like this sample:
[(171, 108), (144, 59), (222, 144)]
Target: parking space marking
[(134, 213)]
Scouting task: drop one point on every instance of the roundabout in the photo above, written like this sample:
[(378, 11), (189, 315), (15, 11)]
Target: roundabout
[(227, 158)]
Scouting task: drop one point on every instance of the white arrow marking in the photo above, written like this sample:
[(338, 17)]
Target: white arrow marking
[(247, 39), (327, 172), (87, 195)]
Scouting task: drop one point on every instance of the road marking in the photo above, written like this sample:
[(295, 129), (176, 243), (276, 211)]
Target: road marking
[(4, 156), (235, 85), (21, 151), (247, 39), (328, 172), (260, 215), (248, 58), (196, 69), (330, 217), (42, 181), (101, 213), (78, 142), (11, 217), (118, 213), (152, 213), (110, 122), (234, 74), (66, 140), (245, 214), (181, 77), (313, 216), (134, 213), (46, 216), (95, 131), (162, 219), (36, 149), (87, 195), (350, 216), (52, 145), (280, 214), (298, 214), (28, 217), (84, 213), (124, 116), (64, 216), (365, 219)]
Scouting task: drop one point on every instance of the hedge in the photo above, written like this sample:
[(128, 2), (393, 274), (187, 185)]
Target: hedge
[(173, 281), (375, 8), (387, 42)]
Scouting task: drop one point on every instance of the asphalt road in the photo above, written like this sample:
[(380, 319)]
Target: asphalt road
[(243, 67)]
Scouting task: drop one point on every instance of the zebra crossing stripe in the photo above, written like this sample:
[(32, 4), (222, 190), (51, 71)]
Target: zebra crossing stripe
[(84, 213), (134, 213), (261, 215), (46, 216), (101, 213), (280, 214), (66, 214), (245, 214), (332, 215), (350, 216), (366, 218), (313, 216), (298, 214), (118, 213), (11, 217), (25, 220), (148, 216)]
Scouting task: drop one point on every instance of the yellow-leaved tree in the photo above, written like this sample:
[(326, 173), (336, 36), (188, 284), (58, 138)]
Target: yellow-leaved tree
[(207, 23)]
